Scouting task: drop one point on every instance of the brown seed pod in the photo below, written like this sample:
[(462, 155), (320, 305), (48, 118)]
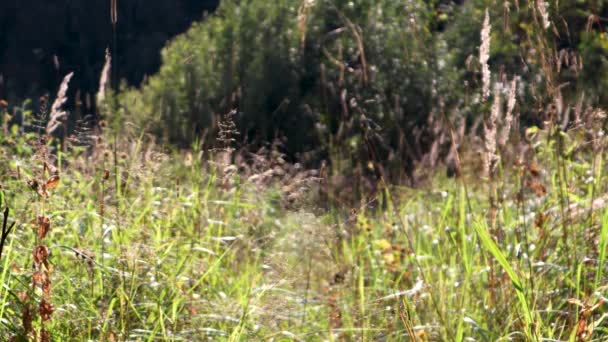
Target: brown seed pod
[(534, 171), (44, 226), (33, 184), (52, 182), (45, 336), (41, 254), (46, 286), (36, 278), (42, 278), (45, 309)]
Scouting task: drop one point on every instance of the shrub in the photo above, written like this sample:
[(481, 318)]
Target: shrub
[(306, 70)]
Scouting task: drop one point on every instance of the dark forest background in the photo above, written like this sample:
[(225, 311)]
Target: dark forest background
[(41, 41)]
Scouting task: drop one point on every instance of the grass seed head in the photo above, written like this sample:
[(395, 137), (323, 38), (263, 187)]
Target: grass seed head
[(57, 114), (44, 226), (484, 56)]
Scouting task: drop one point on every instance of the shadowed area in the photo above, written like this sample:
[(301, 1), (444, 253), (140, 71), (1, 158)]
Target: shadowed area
[(41, 41)]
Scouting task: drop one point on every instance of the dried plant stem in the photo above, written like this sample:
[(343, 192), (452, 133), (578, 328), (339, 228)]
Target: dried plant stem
[(6, 230), (104, 79), (484, 56), (41, 278)]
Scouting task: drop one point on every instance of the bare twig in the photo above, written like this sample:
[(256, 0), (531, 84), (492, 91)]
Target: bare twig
[(6, 229)]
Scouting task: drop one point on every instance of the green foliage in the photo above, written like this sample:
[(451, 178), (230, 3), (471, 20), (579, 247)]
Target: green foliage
[(570, 54), (331, 78), (303, 70), (241, 57)]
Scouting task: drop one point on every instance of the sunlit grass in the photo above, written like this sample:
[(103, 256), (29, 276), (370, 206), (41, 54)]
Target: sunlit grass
[(178, 254)]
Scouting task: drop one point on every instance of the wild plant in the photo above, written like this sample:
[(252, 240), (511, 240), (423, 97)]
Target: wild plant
[(40, 291)]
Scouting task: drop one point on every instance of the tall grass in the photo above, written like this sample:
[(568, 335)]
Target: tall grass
[(165, 245)]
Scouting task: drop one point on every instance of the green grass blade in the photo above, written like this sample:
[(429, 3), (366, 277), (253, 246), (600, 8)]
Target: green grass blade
[(489, 244)]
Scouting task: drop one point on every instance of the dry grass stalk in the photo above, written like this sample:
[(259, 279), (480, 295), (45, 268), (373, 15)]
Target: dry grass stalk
[(490, 136), (113, 12), (511, 100), (484, 56), (104, 79), (303, 13), (57, 114), (227, 138), (542, 9)]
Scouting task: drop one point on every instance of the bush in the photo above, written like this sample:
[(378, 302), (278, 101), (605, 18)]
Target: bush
[(299, 69)]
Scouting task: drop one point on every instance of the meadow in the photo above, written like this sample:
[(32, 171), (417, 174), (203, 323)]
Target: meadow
[(140, 243), (111, 233)]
